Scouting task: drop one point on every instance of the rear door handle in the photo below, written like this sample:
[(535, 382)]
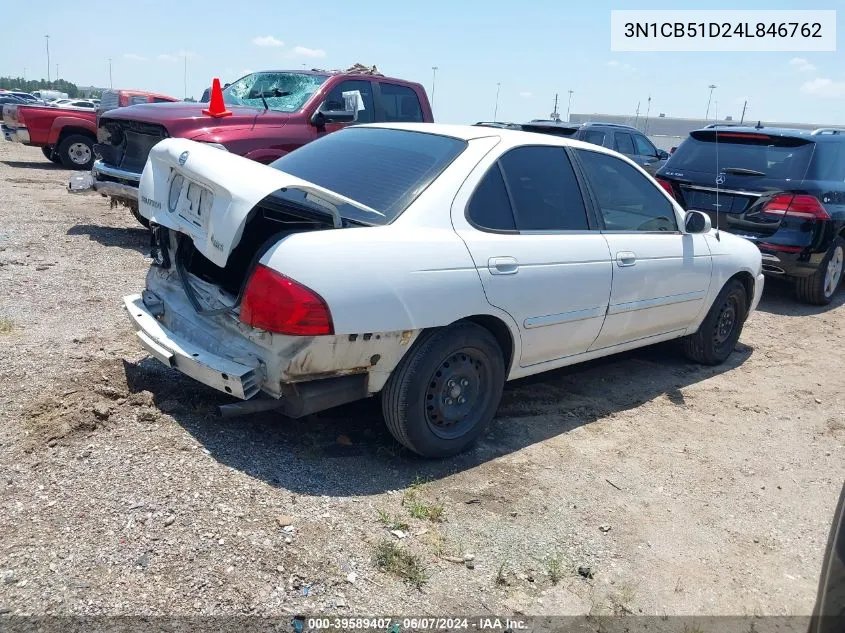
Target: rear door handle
[(502, 265), (625, 258)]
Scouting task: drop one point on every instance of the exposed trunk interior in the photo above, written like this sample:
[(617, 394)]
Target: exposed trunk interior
[(268, 223)]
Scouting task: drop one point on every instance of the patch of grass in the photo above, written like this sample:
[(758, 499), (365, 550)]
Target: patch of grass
[(418, 508), (6, 325), (394, 559), (554, 568), (500, 580), (391, 522)]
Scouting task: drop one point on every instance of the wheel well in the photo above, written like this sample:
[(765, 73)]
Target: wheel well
[(68, 131), (748, 283), (500, 332)]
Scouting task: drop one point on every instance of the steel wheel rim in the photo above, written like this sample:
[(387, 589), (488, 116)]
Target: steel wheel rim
[(79, 153), (725, 322), (456, 392), (833, 272)]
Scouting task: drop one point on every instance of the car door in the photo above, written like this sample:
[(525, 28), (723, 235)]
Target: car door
[(660, 274), (648, 156), (536, 249)]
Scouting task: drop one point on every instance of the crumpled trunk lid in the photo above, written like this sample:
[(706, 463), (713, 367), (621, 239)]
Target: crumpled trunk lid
[(209, 195)]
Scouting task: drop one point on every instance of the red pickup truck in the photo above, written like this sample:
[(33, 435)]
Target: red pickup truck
[(67, 136), (267, 114)]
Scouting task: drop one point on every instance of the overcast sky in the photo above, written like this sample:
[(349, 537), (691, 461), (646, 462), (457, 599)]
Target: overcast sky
[(533, 49)]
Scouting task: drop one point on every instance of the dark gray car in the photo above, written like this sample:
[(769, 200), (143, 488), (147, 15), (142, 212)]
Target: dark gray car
[(624, 139)]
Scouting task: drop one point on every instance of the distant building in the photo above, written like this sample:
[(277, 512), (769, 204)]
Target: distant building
[(668, 132)]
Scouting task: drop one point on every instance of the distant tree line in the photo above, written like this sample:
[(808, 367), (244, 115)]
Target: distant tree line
[(23, 85)]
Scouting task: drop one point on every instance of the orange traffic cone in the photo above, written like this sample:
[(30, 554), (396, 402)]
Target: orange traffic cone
[(217, 108)]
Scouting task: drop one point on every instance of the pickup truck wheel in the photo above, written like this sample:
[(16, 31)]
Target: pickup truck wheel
[(76, 152), (819, 288), (720, 330), (445, 391), (49, 155)]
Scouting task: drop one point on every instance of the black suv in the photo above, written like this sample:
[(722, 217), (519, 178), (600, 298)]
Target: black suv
[(783, 189), (624, 139)]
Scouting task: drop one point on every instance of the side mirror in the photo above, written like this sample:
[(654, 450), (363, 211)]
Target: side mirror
[(321, 117), (662, 154), (697, 222)]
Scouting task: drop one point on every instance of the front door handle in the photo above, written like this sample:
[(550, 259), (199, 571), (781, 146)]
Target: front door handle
[(502, 265), (625, 258)]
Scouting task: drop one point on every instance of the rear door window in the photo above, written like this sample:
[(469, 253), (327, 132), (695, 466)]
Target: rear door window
[(776, 157), (490, 207), (596, 137), (543, 189), (623, 143), (400, 103)]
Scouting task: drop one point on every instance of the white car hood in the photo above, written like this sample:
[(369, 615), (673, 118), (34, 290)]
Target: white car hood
[(237, 185)]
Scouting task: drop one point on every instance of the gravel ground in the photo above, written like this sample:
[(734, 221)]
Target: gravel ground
[(685, 490)]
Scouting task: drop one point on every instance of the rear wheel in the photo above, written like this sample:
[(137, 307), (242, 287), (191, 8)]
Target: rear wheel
[(76, 152), (445, 391), (720, 330), (819, 288)]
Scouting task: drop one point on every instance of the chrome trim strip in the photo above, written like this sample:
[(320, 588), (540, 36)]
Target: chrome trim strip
[(100, 167), (657, 302), (564, 317), (737, 192), (769, 258), (116, 189)]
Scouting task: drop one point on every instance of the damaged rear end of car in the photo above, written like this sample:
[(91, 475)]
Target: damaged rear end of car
[(216, 311)]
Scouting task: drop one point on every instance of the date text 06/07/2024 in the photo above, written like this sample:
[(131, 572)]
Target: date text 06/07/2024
[(722, 29), (398, 625)]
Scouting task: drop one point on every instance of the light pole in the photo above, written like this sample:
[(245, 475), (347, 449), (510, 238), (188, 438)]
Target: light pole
[(57, 72), (47, 37), (185, 79), (24, 73), (568, 105), (433, 81), (648, 110), (110, 82), (712, 87), (496, 107)]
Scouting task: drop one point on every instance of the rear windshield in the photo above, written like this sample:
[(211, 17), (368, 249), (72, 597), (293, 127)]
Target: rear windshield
[(383, 169), (775, 157), (555, 130)]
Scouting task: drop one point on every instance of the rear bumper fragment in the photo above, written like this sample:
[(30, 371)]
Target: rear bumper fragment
[(225, 375), (105, 180)]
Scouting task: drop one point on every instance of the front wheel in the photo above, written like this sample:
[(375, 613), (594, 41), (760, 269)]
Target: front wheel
[(819, 288), (719, 332), (445, 391), (76, 152)]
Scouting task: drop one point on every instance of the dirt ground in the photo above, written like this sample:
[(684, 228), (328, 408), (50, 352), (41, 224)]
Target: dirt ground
[(684, 490)]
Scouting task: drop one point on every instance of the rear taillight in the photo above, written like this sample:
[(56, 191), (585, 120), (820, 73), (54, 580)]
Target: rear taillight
[(796, 206), (278, 304), (666, 185)]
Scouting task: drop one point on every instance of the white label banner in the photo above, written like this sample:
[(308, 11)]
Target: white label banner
[(795, 30)]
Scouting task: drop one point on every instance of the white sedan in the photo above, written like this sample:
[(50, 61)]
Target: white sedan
[(428, 263)]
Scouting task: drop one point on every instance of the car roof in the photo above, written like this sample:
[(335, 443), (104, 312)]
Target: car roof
[(471, 132)]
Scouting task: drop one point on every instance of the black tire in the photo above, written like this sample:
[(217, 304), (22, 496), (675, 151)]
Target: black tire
[(421, 400), (50, 155), (139, 217), (816, 289), (76, 152), (719, 332)]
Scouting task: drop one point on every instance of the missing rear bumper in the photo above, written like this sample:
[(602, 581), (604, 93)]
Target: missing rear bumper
[(237, 379)]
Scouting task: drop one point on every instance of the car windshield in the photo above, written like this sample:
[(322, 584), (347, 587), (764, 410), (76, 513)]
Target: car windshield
[(284, 92), (775, 157), (384, 169)]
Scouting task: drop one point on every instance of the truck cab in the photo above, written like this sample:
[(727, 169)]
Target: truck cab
[(267, 115)]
